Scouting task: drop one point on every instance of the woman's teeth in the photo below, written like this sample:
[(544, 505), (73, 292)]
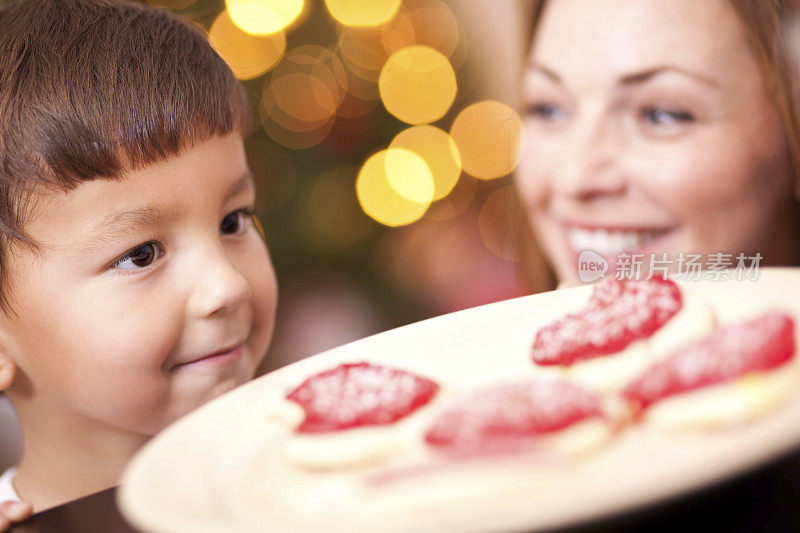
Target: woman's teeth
[(607, 242)]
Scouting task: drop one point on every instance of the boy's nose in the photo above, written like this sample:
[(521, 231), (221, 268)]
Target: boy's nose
[(590, 164), (219, 287)]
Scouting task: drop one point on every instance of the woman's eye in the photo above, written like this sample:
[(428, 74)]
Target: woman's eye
[(235, 222), (140, 257), (659, 116), (546, 112)]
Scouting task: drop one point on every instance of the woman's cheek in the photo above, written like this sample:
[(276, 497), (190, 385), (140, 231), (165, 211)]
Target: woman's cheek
[(686, 179)]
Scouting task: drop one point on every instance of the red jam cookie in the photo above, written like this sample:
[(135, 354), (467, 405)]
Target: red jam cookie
[(510, 417), (754, 345), (618, 313), (359, 394)]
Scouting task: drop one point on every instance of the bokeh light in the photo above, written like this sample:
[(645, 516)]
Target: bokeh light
[(417, 84), (362, 52), (426, 22), (439, 152), (249, 56), (362, 12), (496, 222), (489, 136), (263, 17), (288, 131), (302, 96), (361, 88), (409, 175), (379, 199), (309, 84)]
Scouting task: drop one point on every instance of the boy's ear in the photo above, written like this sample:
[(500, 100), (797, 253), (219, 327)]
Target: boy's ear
[(8, 365), (8, 371)]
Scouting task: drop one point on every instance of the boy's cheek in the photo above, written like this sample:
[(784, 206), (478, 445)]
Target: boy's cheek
[(265, 300), (260, 337)]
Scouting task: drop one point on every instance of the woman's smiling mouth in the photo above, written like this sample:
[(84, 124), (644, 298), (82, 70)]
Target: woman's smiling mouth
[(611, 242)]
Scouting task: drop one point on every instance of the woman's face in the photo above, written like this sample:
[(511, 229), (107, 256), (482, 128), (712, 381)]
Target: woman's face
[(650, 130)]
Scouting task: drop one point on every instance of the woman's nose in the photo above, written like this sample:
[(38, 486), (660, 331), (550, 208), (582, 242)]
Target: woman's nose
[(219, 286), (590, 163)]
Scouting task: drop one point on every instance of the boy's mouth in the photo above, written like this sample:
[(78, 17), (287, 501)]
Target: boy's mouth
[(220, 357)]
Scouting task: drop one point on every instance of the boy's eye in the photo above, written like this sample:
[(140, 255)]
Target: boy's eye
[(140, 257), (145, 254), (234, 222)]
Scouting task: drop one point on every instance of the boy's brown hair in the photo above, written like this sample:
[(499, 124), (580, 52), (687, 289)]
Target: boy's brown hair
[(94, 88)]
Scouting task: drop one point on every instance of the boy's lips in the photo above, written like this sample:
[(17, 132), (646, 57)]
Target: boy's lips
[(230, 353)]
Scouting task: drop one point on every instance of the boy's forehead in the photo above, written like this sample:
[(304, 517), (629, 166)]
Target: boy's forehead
[(99, 212), (157, 194)]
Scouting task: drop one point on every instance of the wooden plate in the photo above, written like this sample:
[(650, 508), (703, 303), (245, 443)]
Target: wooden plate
[(222, 468)]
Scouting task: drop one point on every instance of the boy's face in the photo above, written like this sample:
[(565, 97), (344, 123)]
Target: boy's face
[(118, 313)]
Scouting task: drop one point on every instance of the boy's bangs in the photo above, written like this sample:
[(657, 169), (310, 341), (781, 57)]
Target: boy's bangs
[(99, 87)]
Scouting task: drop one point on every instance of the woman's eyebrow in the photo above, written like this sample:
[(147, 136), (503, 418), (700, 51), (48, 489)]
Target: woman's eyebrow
[(644, 75), (634, 78), (547, 72)]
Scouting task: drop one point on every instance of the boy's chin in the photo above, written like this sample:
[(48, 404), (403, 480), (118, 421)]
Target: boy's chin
[(191, 400)]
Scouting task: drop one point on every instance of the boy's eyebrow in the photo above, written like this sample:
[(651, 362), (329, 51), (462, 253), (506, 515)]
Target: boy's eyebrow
[(118, 224)]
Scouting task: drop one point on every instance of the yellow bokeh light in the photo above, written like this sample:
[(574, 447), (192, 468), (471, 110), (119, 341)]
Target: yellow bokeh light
[(303, 96), (362, 12), (269, 104), (378, 198), (427, 22), (249, 56), (417, 84), (289, 131), (439, 152), (409, 175), (263, 17), (362, 52), (489, 136), (362, 88), (308, 85)]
